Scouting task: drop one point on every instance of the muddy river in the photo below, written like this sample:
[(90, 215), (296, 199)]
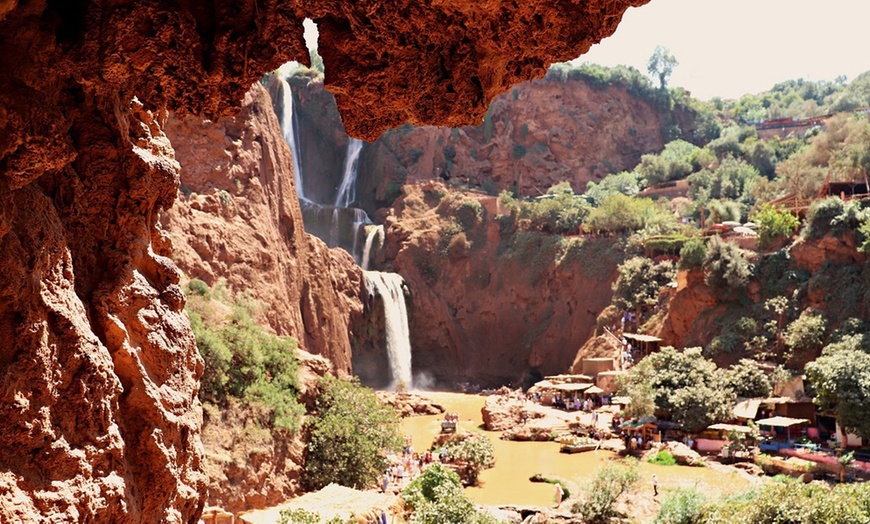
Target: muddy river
[(508, 482)]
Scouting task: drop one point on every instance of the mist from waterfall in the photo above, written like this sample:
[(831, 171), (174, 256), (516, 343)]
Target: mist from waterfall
[(347, 189), (389, 286)]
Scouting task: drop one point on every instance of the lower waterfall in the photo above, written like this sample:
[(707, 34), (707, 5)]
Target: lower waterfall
[(389, 286)]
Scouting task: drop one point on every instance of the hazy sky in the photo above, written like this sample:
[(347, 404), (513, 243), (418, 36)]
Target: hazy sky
[(731, 47)]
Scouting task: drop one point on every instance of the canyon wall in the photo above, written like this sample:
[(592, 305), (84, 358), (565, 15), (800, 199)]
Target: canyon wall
[(489, 303), (237, 218), (101, 421), (539, 133)]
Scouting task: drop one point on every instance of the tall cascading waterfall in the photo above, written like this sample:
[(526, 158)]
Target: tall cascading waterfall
[(287, 119), (335, 221), (388, 286), (347, 190)]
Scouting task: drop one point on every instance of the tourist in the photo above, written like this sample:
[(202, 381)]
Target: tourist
[(559, 494), (655, 485), (386, 483)]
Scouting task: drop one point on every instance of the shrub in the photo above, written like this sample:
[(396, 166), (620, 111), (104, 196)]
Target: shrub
[(199, 288), (298, 516), (437, 498), (804, 335), (469, 214), (612, 481), (639, 282), (832, 216), (773, 223), (245, 362), (621, 214), (728, 269), (693, 254), (682, 506), (663, 458), (350, 438), (475, 450)]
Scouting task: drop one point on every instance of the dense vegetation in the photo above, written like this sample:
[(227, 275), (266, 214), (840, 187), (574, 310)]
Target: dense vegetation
[(784, 500), (242, 360), (350, 437), (436, 497)]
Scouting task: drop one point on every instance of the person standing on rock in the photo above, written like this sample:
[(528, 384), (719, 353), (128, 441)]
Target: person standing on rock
[(655, 485), (559, 494)]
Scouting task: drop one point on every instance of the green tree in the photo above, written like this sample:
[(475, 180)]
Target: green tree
[(639, 282), (661, 65), (805, 334), (684, 385), (626, 183), (245, 362), (773, 223), (350, 437), (841, 377), (475, 451), (746, 380), (675, 162)]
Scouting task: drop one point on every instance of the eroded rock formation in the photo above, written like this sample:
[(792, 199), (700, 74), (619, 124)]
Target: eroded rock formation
[(489, 304), (99, 368), (237, 218)]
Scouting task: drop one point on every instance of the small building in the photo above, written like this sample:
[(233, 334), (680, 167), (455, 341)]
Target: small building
[(642, 345), (593, 366)]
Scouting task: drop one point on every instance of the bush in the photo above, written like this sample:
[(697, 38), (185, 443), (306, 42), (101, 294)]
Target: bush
[(437, 498), (298, 516), (199, 288), (773, 223), (621, 214), (612, 481), (804, 335), (728, 269), (832, 216), (245, 362), (663, 458), (350, 438), (693, 254), (673, 163), (475, 450), (682, 506), (639, 282)]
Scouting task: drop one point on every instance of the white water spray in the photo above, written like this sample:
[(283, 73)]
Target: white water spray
[(289, 124), (370, 240), (347, 190), (388, 286)]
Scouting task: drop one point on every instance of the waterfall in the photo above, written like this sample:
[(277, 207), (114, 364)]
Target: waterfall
[(347, 191), (289, 124), (360, 219), (388, 286), (370, 240)]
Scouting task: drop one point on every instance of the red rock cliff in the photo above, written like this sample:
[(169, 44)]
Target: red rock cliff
[(237, 218), (99, 369), (490, 305)]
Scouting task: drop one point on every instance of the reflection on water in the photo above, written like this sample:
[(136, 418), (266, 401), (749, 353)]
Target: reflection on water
[(508, 482)]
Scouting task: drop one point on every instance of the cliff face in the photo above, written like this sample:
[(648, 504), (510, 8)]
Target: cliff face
[(827, 274), (488, 304), (539, 133), (101, 421), (237, 218)]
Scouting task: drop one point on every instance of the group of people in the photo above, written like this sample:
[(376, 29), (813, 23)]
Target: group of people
[(576, 403)]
